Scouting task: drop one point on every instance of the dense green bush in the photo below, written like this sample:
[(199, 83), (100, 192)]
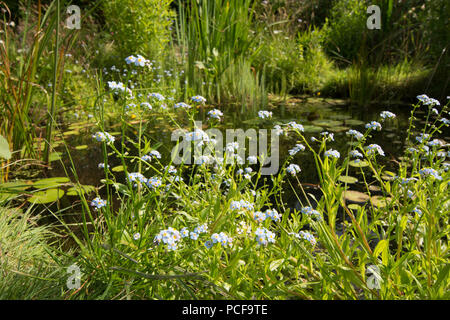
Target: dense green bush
[(139, 26), (294, 64), (343, 32)]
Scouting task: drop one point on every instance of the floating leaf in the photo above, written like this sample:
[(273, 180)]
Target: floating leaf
[(46, 196), (327, 123), (380, 201), (78, 190), (354, 206), (355, 196), (354, 122), (359, 164), (11, 189), (348, 179), (339, 129), (312, 129), (51, 182)]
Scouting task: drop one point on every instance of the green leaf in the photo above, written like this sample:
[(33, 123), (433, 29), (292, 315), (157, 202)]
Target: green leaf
[(275, 264), (5, 153), (380, 247)]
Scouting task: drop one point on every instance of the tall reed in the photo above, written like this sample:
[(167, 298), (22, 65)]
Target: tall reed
[(215, 36)]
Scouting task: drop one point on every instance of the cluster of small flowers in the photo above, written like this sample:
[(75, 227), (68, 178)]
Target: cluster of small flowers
[(434, 143), (269, 213), (139, 61), (311, 212), (371, 149), (157, 96), (198, 99), (113, 85), (298, 147), (264, 236), (247, 171), (356, 134), (278, 131), (197, 135), (137, 177), (428, 101), (154, 182), (215, 113), (263, 114), (103, 136), (98, 203), (294, 125), (232, 146), (182, 105), (252, 159), (422, 137), (152, 154), (244, 228), (171, 169), (293, 169), (387, 115), (169, 236), (430, 172), (405, 181), (307, 236), (327, 135), (147, 105), (332, 153), (195, 233), (221, 238), (241, 205), (101, 165), (373, 125), (445, 121), (355, 154)]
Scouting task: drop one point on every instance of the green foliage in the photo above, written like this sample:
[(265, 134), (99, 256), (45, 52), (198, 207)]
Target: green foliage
[(29, 267), (215, 36), (343, 31), (139, 26)]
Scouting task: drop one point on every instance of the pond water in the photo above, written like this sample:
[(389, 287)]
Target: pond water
[(316, 115)]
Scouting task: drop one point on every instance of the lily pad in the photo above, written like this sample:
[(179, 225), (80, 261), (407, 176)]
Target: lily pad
[(339, 129), (355, 196), (312, 129), (11, 189), (327, 123), (354, 122), (46, 196), (353, 206), (380, 201), (340, 117), (50, 182), (348, 179), (77, 190), (359, 164)]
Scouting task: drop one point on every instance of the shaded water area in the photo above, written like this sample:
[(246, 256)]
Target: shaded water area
[(316, 115)]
